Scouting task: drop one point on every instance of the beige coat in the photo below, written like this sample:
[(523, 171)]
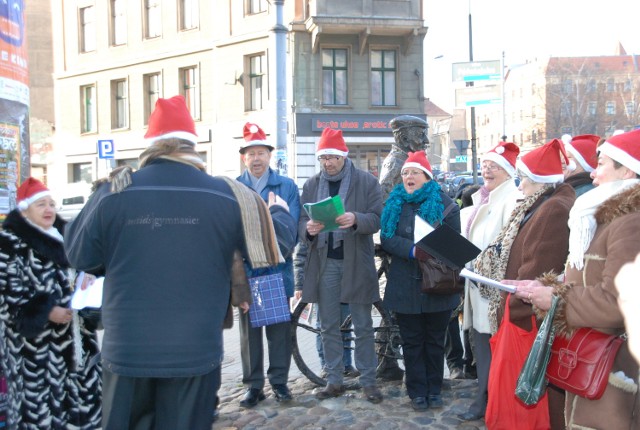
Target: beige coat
[(485, 227), (592, 302)]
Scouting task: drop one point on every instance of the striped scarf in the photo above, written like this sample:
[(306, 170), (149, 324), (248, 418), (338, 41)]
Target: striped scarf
[(259, 233)]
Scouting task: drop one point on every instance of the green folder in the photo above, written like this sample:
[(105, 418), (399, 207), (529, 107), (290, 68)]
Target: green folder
[(326, 211)]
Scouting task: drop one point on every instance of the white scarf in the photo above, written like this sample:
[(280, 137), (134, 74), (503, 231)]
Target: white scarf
[(582, 221), (51, 231)]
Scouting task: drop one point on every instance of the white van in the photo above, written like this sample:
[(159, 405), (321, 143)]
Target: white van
[(73, 199)]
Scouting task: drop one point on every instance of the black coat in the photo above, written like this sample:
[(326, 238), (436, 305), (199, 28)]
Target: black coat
[(165, 244), (404, 279)]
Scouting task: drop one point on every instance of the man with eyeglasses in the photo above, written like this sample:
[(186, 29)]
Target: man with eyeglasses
[(256, 155), (340, 265)]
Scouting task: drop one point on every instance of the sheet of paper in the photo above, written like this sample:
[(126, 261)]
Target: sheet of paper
[(465, 273), (90, 296), (421, 229)]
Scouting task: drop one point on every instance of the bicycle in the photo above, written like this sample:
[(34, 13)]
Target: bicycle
[(304, 333)]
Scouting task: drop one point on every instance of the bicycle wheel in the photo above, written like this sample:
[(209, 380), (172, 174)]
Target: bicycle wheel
[(305, 334)]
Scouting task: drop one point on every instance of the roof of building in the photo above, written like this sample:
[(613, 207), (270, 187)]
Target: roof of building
[(609, 64), (431, 109)]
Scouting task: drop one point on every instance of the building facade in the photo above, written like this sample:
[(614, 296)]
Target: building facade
[(348, 65), (564, 95)]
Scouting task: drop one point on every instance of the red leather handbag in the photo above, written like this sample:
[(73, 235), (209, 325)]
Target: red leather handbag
[(582, 363)]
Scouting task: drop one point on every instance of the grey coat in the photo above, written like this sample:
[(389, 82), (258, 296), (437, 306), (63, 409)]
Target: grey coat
[(359, 280)]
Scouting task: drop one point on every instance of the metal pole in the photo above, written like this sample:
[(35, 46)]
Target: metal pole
[(504, 110), (280, 35), (474, 152)]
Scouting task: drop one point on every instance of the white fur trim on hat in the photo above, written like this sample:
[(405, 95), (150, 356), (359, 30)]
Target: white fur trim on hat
[(417, 166), (620, 156), (24, 204), (185, 135), (331, 151), (579, 158), (500, 161), (549, 179)]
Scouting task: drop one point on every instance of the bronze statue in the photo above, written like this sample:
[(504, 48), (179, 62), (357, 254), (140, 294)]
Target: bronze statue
[(410, 135)]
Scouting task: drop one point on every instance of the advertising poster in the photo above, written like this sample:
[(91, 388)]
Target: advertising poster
[(14, 103)]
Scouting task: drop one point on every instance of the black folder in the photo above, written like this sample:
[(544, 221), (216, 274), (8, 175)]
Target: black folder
[(449, 246)]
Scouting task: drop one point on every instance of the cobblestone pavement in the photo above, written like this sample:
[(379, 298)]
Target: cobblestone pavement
[(350, 411)]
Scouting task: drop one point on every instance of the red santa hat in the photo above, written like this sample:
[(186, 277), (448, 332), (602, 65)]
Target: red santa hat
[(253, 136), (171, 119), (624, 148), (30, 191), (544, 165), (332, 143), (583, 149), (418, 160), (504, 154)]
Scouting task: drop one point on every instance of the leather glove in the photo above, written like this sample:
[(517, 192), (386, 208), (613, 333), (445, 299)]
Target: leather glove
[(421, 255)]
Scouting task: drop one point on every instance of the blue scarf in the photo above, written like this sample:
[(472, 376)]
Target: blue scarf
[(430, 210)]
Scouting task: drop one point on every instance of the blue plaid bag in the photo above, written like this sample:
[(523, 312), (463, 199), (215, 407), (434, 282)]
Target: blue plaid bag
[(270, 304)]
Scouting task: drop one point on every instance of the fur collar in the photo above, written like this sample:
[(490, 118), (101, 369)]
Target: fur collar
[(39, 241), (621, 204)]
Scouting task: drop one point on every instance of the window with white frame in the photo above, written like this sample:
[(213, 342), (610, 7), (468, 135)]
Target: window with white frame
[(592, 108), (630, 108), (80, 172), (567, 86), (610, 85), (611, 108), (88, 114), (628, 85), (188, 14), (118, 22), (565, 108), (119, 104), (335, 76), (190, 90), (256, 6), (152, 19), (257, 94), (87, 29), (152, 87), (383, 77), (591, 86)]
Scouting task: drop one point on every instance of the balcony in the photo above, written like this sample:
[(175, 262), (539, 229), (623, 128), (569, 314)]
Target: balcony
[(365, 18)]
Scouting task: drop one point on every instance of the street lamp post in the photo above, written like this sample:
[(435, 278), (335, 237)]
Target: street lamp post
[(474, 154)]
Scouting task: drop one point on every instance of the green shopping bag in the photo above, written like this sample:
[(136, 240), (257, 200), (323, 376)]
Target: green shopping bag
[(532, 381)]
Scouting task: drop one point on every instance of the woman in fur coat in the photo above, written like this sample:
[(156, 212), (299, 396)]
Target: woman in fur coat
[(48, 353), (604, 236)]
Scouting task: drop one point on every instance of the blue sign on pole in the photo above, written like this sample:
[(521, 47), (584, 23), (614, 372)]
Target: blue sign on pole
[(106, 149)]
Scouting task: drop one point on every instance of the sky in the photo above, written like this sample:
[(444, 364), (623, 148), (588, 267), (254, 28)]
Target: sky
[(524, 31)]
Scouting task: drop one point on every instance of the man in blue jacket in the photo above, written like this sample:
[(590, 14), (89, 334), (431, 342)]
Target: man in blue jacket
[(165, 243), (256, 155)]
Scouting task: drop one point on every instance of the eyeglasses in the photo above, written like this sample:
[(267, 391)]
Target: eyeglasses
[(325, 158), (491, 167), (406, 173)]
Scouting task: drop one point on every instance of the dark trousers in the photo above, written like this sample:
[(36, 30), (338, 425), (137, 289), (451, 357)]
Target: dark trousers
[(453, 344), (482, 354), (158, 403), (423, 351), (252, 352)]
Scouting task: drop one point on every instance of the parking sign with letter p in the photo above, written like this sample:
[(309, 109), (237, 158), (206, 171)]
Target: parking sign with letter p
[(106, 149)]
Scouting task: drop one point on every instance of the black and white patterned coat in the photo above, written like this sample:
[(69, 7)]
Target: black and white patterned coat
[(48, 387)]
